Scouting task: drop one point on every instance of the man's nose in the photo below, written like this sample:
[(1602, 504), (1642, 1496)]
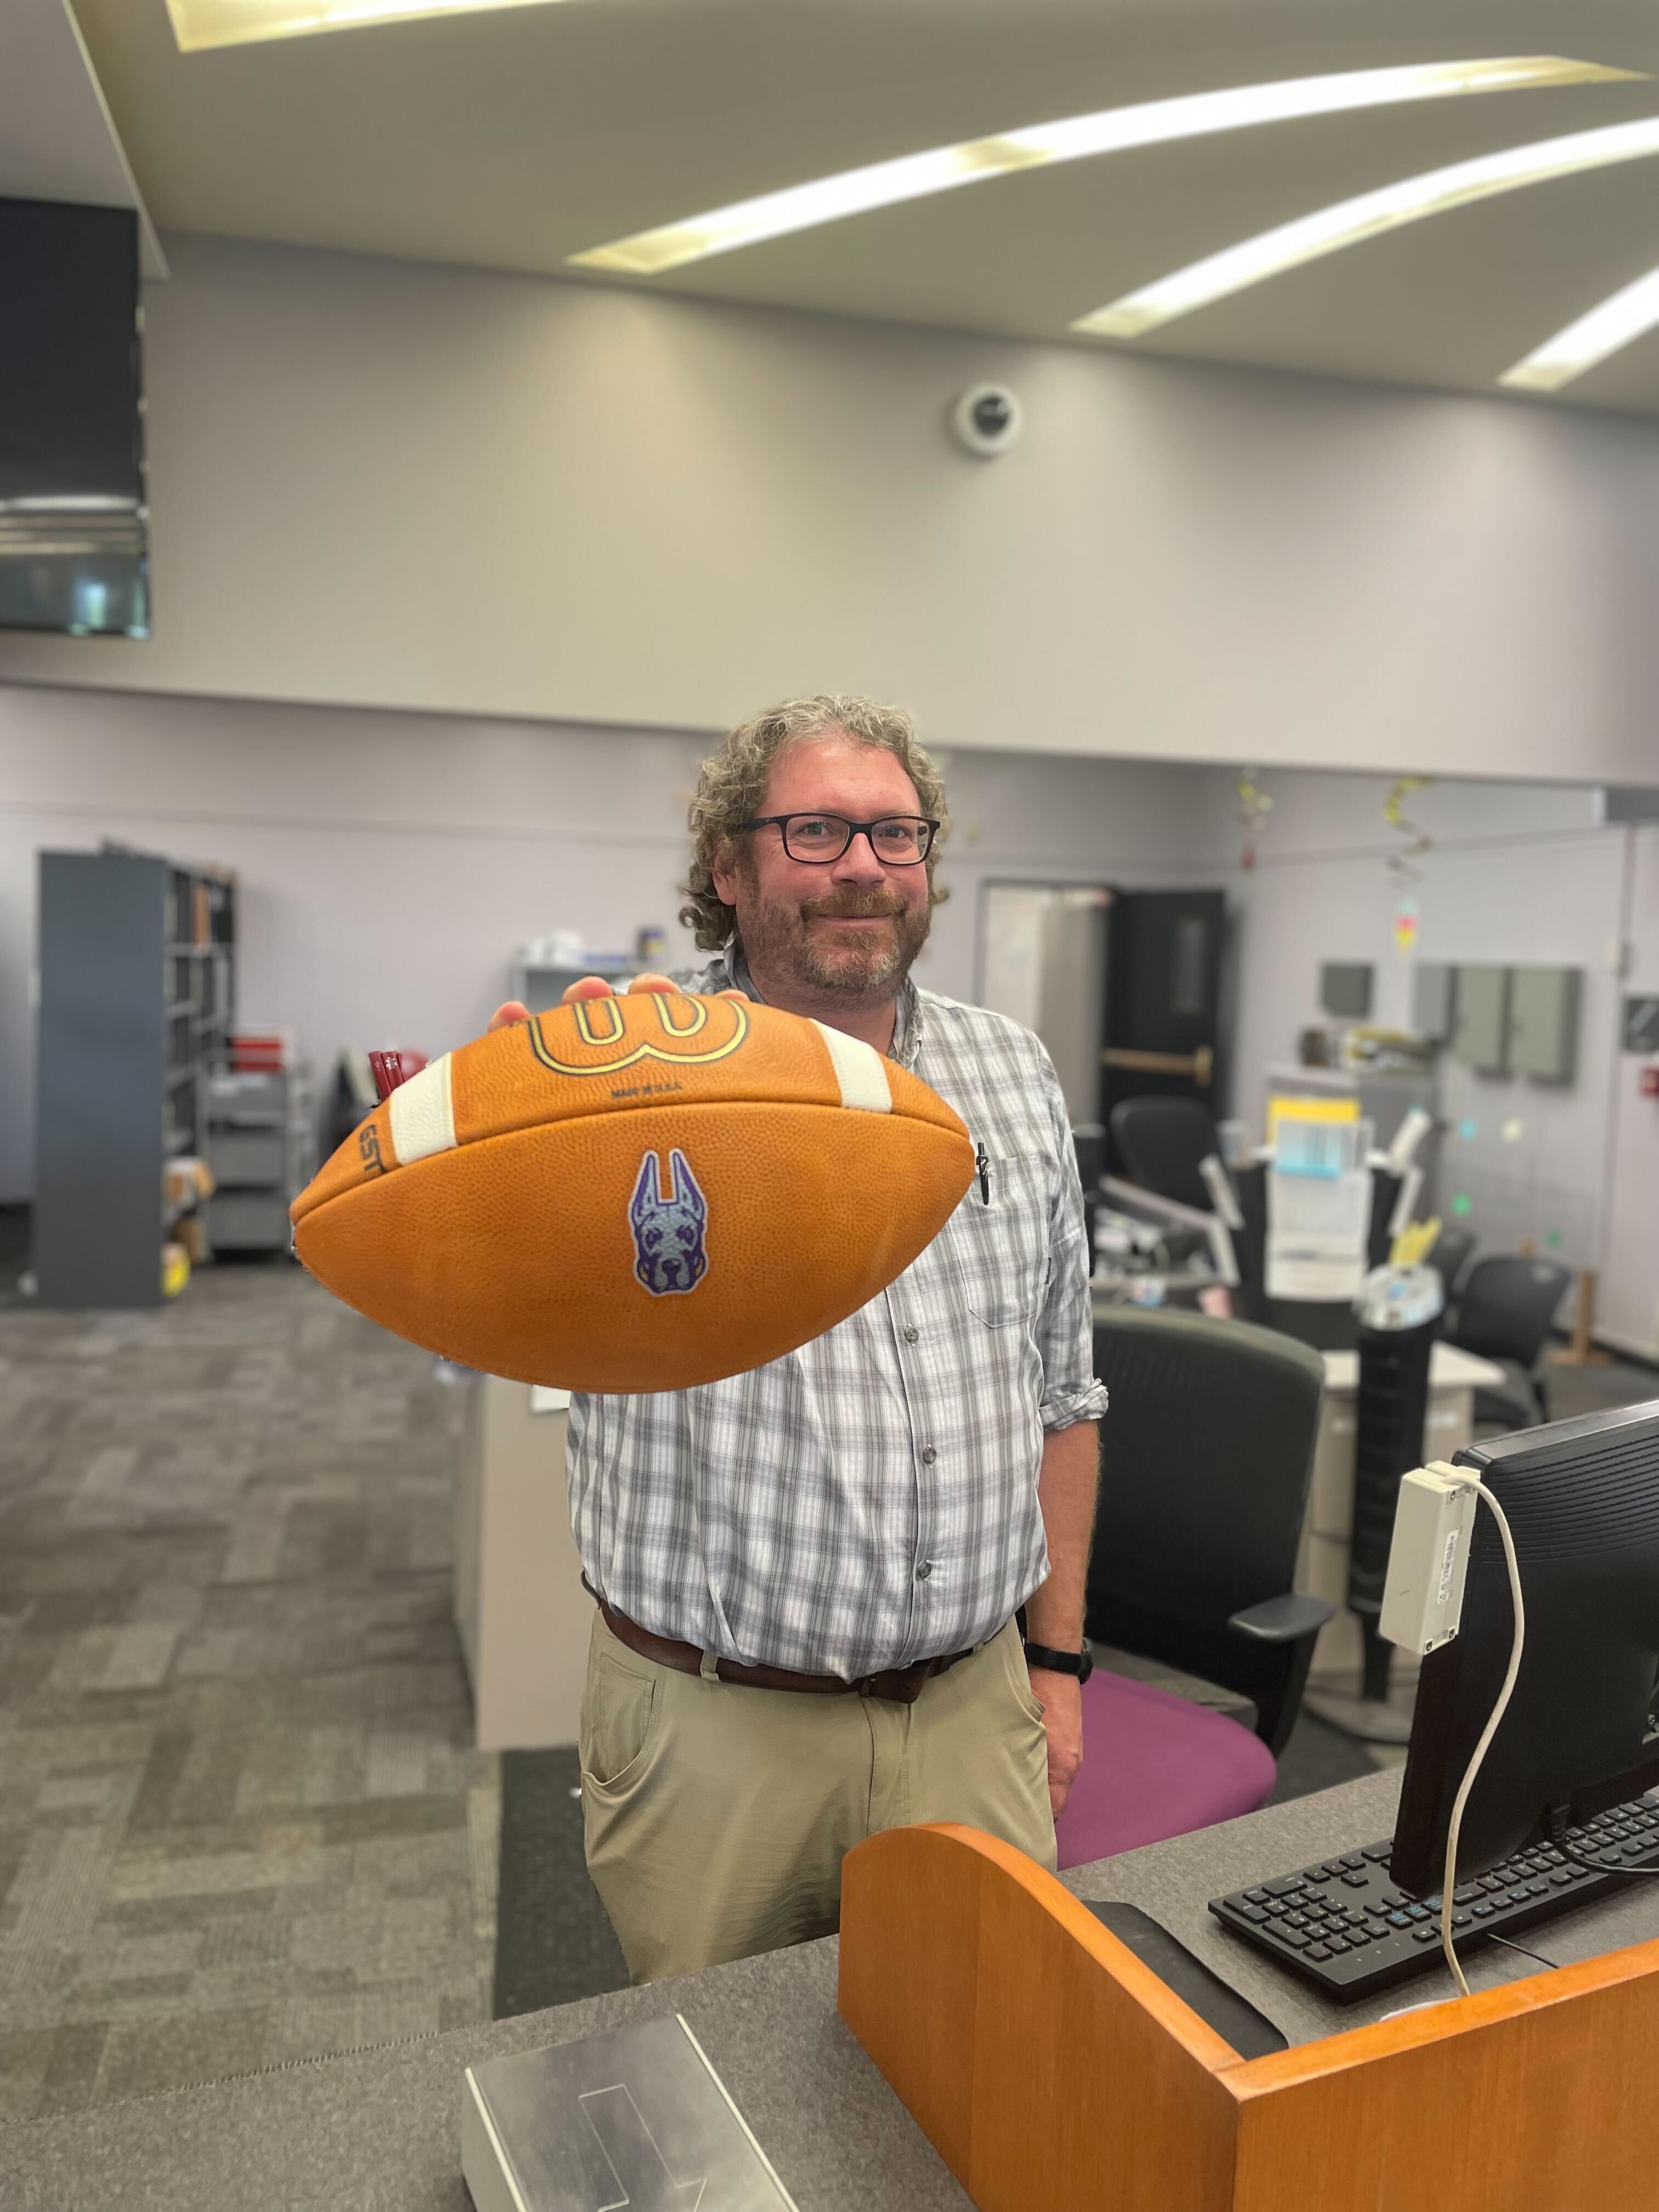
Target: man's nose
[(857, 863)]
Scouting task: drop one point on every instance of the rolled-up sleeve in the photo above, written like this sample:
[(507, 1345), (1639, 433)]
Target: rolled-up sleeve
[(1072, 1391)]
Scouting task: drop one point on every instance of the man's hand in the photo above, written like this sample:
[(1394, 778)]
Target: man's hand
[(1060, 1697), (589, 987)]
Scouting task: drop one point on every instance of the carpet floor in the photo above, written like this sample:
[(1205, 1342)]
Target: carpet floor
[(241, 1821), (553, 1943)]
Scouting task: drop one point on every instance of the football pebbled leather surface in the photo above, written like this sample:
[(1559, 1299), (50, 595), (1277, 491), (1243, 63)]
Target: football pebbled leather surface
[(641, 1193)]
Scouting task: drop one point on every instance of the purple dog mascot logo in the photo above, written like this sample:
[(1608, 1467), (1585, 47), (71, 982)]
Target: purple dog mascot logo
[(668, 1231)]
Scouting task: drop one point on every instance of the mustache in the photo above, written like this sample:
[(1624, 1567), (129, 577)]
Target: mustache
[(851, 906)]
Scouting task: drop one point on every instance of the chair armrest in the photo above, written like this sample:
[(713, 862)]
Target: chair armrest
[(1283, 1619)]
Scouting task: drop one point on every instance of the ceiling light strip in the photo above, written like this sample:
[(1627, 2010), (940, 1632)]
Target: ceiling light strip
[(199, 26), (1629, 314), (1349, 222), (1071, 138)]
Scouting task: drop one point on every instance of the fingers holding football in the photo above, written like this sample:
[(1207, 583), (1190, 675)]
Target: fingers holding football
[(589, 987), (666, 983), (595, 987)]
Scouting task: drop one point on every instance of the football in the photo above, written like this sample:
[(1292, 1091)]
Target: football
[(634, 1193)]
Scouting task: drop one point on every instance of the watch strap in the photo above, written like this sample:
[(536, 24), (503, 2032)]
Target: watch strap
[(1080, 1663)]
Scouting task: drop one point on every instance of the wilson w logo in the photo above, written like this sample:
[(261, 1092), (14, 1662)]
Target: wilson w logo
[(612, 1034)]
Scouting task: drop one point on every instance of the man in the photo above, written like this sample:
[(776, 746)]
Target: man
[(808, 1575)]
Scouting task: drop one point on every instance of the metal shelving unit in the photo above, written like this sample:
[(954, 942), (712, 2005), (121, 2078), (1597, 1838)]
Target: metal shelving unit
[(259, 1146), (136, 1002)]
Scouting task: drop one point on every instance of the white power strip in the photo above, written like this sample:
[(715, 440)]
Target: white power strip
[(1423, 1609), (1433, 1522)]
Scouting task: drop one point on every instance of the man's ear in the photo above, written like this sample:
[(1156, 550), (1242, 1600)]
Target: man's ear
[(724, 869)]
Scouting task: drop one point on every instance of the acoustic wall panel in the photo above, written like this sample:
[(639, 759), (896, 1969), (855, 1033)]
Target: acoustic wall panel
[(1480, 1037)]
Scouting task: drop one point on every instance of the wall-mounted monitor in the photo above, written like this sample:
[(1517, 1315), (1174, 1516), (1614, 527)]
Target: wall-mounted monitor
[(74, 538)]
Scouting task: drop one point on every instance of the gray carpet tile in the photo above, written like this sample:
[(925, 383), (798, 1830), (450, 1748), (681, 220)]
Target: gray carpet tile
[(241, 1821)]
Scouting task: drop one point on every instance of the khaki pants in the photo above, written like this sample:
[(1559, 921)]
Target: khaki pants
[(716, 1816)]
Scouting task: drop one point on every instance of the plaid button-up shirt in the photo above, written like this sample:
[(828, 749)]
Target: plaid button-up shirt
[(872, 1498)]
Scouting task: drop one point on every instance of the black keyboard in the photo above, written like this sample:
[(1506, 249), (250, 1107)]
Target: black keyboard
[(1344, 1927)]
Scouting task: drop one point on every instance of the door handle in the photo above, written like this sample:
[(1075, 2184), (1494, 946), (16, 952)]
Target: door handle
[(1197, 1065)]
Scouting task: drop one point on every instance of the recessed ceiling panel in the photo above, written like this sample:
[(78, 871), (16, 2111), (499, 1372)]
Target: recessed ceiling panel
[(513, 138), (1073, 138)]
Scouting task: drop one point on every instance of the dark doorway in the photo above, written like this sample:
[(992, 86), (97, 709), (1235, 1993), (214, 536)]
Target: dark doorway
[(1161, 1029)]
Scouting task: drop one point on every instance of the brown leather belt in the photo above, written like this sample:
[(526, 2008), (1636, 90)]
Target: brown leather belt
[(901, 1686)]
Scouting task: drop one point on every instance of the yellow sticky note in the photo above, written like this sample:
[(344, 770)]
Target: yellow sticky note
[(1309, 1109)]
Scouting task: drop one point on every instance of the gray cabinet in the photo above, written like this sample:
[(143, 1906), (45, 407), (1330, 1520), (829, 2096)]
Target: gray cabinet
[(1480, 1035), (1434, 1001), (1510, 1021), (137, 998), (1544, 1023)]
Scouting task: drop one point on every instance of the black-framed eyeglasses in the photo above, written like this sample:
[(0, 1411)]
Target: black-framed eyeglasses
[(898, 841)]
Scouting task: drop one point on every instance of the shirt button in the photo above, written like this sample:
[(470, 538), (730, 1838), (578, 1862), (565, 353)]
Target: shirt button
[(929, 1456), (924, 1570), (912, 1334)]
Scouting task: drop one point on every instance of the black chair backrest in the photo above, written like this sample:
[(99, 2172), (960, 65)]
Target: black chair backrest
[(1450, 1257), (1506, 1305), (1206, 1454), (1161, 1141)]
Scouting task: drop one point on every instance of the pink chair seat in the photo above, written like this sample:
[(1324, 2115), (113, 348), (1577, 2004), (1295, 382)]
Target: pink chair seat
[(1155, 1766)]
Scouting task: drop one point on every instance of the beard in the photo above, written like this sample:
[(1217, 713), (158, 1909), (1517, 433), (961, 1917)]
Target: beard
[(791, 940)]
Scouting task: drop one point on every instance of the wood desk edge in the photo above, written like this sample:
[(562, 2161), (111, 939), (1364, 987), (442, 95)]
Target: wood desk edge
[(963, 1973)]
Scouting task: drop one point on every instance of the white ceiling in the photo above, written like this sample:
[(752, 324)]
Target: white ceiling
[(514, 140)]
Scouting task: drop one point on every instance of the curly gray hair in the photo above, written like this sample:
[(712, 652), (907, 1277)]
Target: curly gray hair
[(733, 784)]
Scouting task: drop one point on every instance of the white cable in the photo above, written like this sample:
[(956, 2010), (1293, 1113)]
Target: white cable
[(1480, 1491)]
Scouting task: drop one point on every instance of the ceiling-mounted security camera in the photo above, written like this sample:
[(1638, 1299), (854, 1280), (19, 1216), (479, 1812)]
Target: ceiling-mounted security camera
[(987, 419)]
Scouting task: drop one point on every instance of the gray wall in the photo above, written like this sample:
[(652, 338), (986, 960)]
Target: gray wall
[(391, 864), (384, 484)]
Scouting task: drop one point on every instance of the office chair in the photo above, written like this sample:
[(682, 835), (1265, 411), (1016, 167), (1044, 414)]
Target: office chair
[(1207, 1455), (1160, 1141), (1504, 1311), (1449, 1258)]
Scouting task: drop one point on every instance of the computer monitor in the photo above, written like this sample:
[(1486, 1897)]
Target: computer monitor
[(1581, 1732)]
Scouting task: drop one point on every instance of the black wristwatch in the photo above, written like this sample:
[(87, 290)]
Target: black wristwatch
[(1080, 1663)]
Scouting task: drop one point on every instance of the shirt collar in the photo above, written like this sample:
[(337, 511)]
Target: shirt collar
[(907, 1026)]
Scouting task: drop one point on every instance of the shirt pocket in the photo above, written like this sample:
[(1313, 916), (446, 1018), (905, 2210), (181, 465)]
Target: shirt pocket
[(1000, 1245)]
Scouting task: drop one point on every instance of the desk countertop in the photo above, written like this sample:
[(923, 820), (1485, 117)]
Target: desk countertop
[(381, 2128), (1448, 1370)]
